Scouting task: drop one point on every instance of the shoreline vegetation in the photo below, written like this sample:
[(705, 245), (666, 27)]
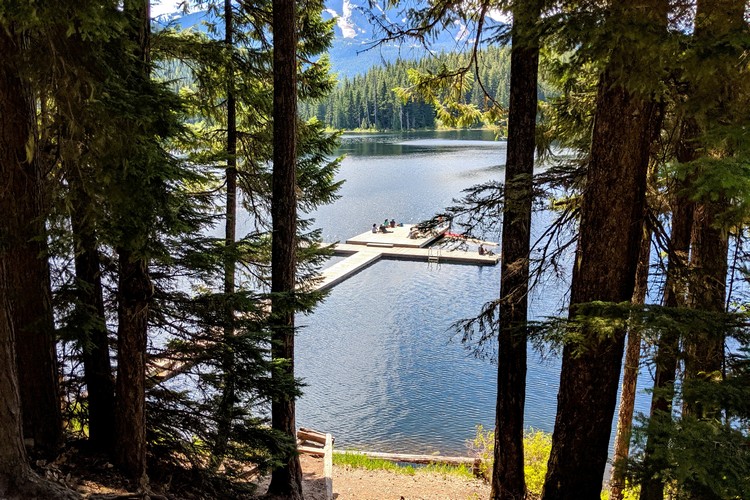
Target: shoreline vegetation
[(441, 128)]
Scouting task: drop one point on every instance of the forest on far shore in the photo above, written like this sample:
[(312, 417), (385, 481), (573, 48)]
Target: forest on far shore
[(369, 101)]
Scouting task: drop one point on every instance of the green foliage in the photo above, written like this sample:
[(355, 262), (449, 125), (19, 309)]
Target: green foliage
[(536, 446), (357, 460), (437, 90), (364, 462), (703, 453)]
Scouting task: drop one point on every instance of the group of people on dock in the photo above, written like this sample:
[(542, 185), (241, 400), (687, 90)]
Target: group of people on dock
[(385, 226)]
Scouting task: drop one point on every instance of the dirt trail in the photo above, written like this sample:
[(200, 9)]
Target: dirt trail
[(361, 484)]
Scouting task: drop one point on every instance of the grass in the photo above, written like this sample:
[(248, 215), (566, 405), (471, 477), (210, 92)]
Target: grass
[(364, 462)]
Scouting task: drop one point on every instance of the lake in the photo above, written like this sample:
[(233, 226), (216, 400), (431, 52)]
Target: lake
[(383, 367)]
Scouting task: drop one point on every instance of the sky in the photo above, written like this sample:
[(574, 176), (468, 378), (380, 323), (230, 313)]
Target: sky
[(160, 7)]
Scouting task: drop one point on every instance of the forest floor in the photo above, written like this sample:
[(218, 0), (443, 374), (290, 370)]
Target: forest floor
[(355, 483), (96, 479)]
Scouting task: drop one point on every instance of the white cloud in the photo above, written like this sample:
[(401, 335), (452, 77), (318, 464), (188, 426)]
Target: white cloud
[(161, 7), (344, 20), (499, 16)]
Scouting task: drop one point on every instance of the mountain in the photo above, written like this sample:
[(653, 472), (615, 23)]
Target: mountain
[(355, 48)]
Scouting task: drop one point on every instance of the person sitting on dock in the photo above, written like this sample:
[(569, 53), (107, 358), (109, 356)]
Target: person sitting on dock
[(413, 233), (484, 251), (374, 228), (393, 223), (384, 228)]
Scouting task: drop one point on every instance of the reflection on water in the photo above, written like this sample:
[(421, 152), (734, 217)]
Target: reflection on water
[(383, 368)]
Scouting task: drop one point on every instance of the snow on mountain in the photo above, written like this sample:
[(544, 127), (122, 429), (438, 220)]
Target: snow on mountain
[(355, 47)]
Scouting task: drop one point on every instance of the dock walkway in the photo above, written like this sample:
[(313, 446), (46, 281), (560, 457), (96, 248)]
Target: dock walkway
[(367, 248)]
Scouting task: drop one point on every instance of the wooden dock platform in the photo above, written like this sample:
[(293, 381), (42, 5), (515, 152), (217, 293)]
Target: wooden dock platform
[(367, 248)]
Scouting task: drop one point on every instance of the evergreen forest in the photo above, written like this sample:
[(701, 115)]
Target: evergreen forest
[(377, 99), (157, 245)]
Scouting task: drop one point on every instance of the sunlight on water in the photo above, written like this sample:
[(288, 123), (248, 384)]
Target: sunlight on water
[(384, 369)]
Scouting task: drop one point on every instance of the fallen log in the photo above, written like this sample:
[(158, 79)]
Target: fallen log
[(418, 459)]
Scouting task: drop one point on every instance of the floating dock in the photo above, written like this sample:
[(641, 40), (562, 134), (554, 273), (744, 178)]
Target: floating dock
[(367, 248)]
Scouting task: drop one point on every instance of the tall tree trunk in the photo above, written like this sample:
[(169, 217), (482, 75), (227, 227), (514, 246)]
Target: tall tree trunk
[(14, 132), (611, 229), (630, 375), (704, 351), (20, 192), (14, 467), (134, 295), (94, 341), (228, 396), (17, 481), (508, 481), (286, 481), (717, 25), (25, 253), (674, 296)]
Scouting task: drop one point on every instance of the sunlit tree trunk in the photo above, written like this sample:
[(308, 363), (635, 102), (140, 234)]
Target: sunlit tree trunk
[(630, 376), (508, 480)]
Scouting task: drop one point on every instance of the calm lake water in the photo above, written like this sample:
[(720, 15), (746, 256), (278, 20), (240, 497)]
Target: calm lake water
[(383, 367)]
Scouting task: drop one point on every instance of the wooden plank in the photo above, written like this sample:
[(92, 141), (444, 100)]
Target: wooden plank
[(311, 435), (311, 450), (399, 236), (347, 268), (328, 466)]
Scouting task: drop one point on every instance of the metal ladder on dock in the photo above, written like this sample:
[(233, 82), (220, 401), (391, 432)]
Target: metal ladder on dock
[(433, 256)]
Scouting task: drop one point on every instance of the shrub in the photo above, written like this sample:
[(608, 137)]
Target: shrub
[(536, 444)]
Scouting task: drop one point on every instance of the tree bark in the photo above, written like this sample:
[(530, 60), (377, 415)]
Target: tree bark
[(717, 23), (666, 358), (25, 253), (704, 351), (20, 201), (94, 341), (228, 396), (630, 376), (134, 295), (508, 480), (14, 132), (611, 228), (286, 481)]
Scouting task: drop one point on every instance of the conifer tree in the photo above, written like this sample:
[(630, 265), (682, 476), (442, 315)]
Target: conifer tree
[(508, 471), (25, 249), (286, 481), (612, 204), (20, 199), (134, 284)]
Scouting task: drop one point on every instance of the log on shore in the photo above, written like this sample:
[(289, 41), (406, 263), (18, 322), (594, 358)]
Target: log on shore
[(417, 459)]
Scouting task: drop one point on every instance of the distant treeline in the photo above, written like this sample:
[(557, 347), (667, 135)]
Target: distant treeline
[(368, 102)]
